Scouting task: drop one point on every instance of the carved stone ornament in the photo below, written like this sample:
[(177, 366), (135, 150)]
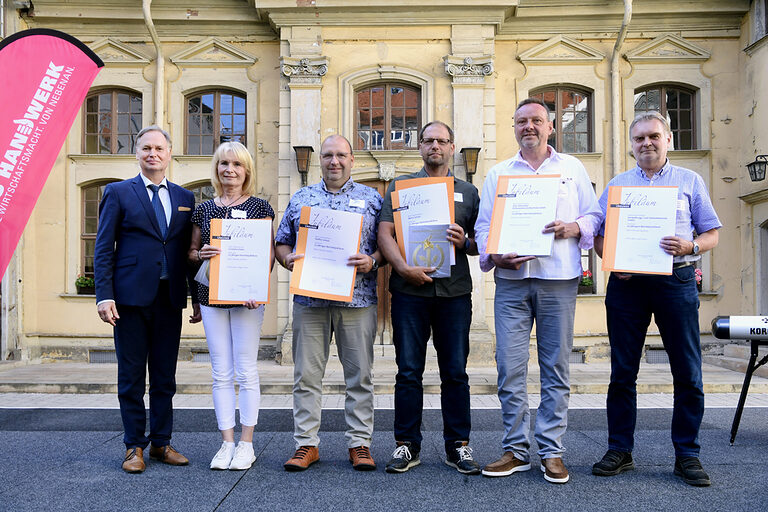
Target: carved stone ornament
[(386, 171), (468, 67), (309, 68)]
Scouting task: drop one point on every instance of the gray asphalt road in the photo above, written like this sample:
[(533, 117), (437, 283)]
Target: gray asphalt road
[(63, 459)]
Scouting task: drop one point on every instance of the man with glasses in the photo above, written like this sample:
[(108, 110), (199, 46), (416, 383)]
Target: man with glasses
[(443, 306), (543, 290), (352, 324)]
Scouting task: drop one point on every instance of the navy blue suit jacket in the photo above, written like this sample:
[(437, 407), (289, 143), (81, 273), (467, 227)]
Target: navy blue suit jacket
[(129, 245)]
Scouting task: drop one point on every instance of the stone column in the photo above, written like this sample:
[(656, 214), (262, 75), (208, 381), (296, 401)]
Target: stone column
[(470, 67), (302, 68)]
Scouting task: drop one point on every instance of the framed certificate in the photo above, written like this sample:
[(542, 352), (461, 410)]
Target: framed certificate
[(636, 220), (241, 271), (422, 201), (326, 238), (522, 207)]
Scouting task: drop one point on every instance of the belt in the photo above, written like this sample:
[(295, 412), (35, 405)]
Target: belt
[(682, 264)]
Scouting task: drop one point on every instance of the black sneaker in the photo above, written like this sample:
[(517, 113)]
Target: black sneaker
[(404, 458), (689, 468), (613, 463), (460, 457)]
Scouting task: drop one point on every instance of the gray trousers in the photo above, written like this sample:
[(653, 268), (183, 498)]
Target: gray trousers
[(354, 330), (551, 303)]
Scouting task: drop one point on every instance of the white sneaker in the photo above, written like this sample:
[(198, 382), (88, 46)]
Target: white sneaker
[(244, 456), (224, 456)]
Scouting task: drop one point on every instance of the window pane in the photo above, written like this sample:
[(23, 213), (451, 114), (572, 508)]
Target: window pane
[(92, 104), (239, 124), (91, 144), (207, 124), (122, 102), (412, 119), (685, 120), (88, 250), (105, 102), (104, 144), (686, 100), (124, 144), (194, 105), (397, 97), (686, 140), (91, 123), (207, 103), (377, 118), (123, 123), (364, 120), (225, 124), (135, 104), (239, 107), (226, 104), (377, 97), (411, 98), (581, 144), (377, 139), (364, 99), (207, 145)]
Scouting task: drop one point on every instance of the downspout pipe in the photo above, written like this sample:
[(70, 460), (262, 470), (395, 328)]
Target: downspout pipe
[(159, 63), (616, 135)]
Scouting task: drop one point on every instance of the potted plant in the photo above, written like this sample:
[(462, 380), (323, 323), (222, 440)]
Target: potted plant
[(85, 285), (586, 284)]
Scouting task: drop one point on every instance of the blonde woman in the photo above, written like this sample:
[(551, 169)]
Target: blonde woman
[(232, 332)]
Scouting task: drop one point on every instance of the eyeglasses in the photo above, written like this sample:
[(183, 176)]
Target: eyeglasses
[(442, 142)]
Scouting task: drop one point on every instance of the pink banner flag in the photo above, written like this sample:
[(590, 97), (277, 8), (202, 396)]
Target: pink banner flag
[(44, 77)]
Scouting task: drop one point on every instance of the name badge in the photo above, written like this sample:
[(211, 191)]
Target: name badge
[(238, 214), (681, 204), (458, 197), (357, 203)]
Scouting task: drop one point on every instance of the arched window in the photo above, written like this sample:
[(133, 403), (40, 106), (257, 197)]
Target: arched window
[(90, 199), (571, 113), (388, 116), (202, 191), (111, 120), (675, 103), (214, 117)]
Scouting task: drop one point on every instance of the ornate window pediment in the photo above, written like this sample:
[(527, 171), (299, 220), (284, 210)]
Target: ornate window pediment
[(115, 53), (561, 49), (213, 51), (668, 47)]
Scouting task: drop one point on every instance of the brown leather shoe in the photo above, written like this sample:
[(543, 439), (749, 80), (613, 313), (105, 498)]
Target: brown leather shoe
[(360, 457), (134, 461), (167, 455), (506, 465), (304, 457), (554, 470)]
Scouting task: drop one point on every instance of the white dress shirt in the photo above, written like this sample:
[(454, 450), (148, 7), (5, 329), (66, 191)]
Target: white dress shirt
[(165, 196), (576, 202)]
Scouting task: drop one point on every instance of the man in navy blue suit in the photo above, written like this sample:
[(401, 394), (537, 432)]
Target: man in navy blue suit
[(141, 288)]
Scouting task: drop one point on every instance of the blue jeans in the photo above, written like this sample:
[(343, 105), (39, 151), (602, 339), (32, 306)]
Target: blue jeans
[(674, 302), (448, 318), (551, 304)]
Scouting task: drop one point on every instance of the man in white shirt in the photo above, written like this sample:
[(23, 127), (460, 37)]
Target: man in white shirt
[(540, 289)]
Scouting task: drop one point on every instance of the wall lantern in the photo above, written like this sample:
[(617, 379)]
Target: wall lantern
[(470, 161), (757, 168), (303, 154)]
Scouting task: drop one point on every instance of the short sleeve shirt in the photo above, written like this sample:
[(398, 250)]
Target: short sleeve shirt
[(353, 197), (253, 207), (466, 206)]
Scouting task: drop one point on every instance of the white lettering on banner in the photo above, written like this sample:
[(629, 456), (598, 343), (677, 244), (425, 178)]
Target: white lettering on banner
[(20, 150)]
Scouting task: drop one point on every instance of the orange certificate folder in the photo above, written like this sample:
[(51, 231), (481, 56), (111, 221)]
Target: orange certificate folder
[(429, 204), (326, 238), (241, 271), (528, 218), (636, 219)]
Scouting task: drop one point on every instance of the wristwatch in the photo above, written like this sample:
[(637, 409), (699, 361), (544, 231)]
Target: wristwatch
[(375, 263), (696, 248)]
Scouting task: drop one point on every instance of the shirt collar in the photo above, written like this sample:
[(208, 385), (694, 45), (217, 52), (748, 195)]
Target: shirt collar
[(666, 168), (148, 182), (423, 173), (344, 188), (553, 155)]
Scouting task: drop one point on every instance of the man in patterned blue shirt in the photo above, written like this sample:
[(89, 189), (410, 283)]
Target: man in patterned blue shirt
[(673, 301), (352, 324)]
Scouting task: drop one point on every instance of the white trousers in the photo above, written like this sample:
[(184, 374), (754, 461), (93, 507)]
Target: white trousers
[(233, 343)]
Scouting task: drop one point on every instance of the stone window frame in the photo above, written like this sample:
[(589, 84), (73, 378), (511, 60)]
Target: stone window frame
[(217, 93), (557, 114), (87, 236), (359, 79), (114, 123), (664, 87)]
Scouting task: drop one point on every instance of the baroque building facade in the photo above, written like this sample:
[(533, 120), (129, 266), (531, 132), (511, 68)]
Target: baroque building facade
[(276, 74)]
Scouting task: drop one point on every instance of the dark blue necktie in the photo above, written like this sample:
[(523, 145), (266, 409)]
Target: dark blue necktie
[(157, 205)]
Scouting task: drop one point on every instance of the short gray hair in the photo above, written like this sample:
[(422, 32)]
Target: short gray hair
[(154, 128), (650, 116)]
